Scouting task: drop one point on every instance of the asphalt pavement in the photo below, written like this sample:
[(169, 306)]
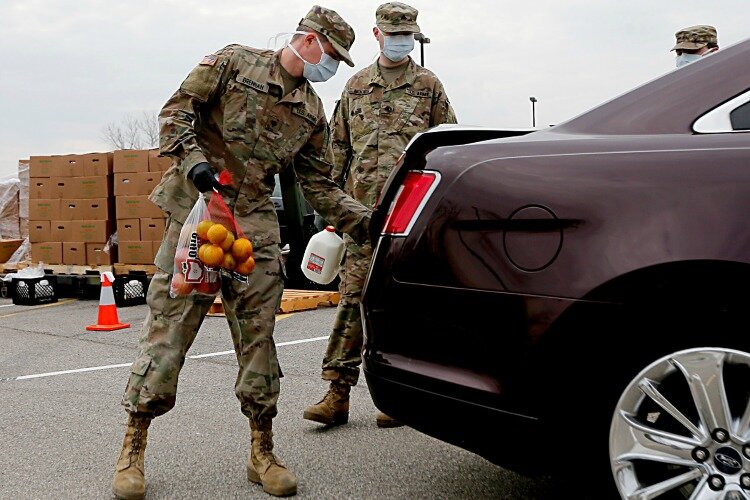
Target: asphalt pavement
[(61, 425)]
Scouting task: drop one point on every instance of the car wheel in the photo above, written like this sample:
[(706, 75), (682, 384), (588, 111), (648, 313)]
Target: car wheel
[(681, 428)]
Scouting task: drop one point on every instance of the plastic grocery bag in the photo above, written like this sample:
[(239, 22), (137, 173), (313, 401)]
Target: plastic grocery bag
[(223, 243), (192, 274)]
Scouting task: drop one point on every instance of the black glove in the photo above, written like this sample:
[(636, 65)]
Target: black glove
[(203, 178)]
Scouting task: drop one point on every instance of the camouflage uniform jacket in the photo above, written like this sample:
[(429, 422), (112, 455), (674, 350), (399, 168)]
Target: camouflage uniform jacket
[(230, 112), (373, 122)]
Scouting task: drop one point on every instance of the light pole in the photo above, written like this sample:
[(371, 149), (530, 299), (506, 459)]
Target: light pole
[(422, 41), (533, 111)]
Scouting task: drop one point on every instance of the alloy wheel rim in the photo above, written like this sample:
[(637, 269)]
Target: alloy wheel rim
[(681, 428)]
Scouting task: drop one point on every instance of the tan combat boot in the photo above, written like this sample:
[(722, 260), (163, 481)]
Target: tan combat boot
[(333, 409), (263, 467), (129, 482), (385, 421)]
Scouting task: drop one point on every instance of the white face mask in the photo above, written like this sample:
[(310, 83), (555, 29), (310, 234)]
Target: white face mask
[(685, 58), (397, 47), (323, 70)]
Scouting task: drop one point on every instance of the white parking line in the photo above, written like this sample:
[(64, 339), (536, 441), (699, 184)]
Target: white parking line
[(7, 305), (123, 365)]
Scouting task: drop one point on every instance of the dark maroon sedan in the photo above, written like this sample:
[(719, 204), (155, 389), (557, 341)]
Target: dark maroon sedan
[(575, 300)]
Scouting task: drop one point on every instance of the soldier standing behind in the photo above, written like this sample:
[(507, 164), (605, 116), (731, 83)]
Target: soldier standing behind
[(694, 42), (381, 108), (252, 113)]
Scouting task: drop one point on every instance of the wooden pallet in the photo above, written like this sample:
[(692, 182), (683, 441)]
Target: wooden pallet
[(291, 301), (149, 269)]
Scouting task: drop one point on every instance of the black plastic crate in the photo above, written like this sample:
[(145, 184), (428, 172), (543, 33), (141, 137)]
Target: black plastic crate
[(130, 289), (34, 291)]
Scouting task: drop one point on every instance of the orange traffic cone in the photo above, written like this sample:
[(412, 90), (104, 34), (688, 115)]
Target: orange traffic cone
[(107, 309)]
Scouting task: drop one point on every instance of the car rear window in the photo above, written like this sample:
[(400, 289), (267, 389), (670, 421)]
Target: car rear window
[(740, 117)]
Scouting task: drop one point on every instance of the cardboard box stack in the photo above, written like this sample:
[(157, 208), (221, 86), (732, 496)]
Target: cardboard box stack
[(140, 223), (71, 209)]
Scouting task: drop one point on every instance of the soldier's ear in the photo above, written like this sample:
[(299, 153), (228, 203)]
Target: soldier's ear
[(376, 32)]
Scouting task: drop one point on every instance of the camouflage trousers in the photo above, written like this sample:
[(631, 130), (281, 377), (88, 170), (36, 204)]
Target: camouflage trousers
[(173, 323), (344, 353)]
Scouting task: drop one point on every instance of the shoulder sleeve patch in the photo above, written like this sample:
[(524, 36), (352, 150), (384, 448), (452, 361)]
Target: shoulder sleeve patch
[(209, 60)]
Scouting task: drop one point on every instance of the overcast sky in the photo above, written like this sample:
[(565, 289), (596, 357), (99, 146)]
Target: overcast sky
[(68, 67)]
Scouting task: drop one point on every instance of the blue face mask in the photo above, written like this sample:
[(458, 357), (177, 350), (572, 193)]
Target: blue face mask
[(397, 47), (323, 70), (685, 58)]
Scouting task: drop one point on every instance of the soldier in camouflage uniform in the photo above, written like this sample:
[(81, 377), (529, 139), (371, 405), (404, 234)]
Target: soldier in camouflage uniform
[(381, 108), (252, 113), (694, 42)]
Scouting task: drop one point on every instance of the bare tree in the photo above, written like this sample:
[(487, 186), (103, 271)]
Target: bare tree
[(149, 126), (133, 132)]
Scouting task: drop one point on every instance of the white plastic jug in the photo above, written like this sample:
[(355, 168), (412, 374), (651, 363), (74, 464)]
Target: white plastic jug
[(323, 256)]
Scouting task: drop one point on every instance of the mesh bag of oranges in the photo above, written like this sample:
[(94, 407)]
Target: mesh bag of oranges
[(223, 245), (191, 275)]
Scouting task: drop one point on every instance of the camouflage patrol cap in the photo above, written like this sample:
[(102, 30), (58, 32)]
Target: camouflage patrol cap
[(331, 25), (396, 17), (695, 37)]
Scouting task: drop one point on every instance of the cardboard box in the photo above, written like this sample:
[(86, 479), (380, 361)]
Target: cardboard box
[(129, 229), (60, 230), (70, 166), (7, 247), (158, 163), (152, 229), (85, 209), (48, 252), (40, 188), (97, 164), (74, 253), (89, 187), (69, 210), (96, 256), (61, 186), (130, 160), (95, 209), (135, 252), (44, 166), (89, 231), (39, 231), (136, 207), (155, 245), (44, 209), (136, 183)]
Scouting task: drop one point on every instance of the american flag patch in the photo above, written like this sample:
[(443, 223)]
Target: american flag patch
[(209, 60)]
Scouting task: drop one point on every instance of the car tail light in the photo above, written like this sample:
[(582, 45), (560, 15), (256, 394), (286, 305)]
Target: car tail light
[(410, 199)]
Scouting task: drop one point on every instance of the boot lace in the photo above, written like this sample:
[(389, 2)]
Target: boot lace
[(135, 446), (265, 446), (334, 393)]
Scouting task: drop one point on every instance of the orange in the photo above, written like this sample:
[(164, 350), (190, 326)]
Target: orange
[(242, 249), (228, 262), (202, 229), (216, 234), (245, 267), (202, 249), (227, 243), (213, 255)]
